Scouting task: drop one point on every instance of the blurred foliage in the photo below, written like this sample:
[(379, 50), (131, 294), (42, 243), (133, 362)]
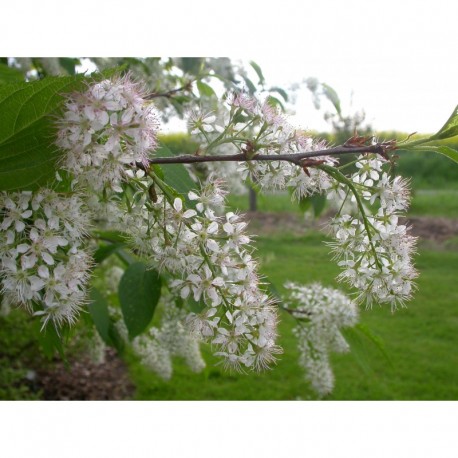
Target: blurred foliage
[(18, 344), (179, 143)]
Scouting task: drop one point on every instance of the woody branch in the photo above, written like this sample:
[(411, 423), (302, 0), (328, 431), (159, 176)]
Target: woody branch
[(296, 158)]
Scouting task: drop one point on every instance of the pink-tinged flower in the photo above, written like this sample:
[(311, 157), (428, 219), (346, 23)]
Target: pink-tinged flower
[(105, 131)]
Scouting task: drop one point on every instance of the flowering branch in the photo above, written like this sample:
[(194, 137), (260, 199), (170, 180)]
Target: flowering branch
[(379, 148)]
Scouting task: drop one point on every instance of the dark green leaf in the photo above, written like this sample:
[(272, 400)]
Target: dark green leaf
[(51, 341), (175, 175), (106, 250), (27, 151), (27, 133), (157, 169), (139, 293), (126, 257), (98, 309), (69, 64), (116, 340), (111, 236), (196, 306), (258, 71), (205, 90), (318, 203), (305, 203), (10, 74)]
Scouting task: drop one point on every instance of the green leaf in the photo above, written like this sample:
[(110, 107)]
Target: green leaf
[(357, 338), (69, 64), (205, 90), (358, 350), (126, 257), (450, 128), (175, 175), (98, 309), (280, 91), (447, 151), (111, 236), (28, 154), (374, 339), (10, 74), (251, 87), (332, 96), (139, 293), (444, 150), (271, 289), (258, 71), (305, 203), (316, 201), (51, 341), (196, 306), (27, 150), (273, 101), (134, 62), (106, 250), (192, 65)]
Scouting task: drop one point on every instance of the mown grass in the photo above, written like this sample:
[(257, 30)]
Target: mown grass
[(425, 202), (443, 202), (421, 340)]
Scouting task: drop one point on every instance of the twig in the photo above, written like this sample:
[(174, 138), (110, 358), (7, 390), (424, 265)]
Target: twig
[(296, 158), (171, 93)]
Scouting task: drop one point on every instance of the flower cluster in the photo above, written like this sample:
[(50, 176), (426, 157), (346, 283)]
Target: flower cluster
[(264, 130), (157, 347), (321, 312), (210, 258), (44, 266), (375, 249), (105, 130)]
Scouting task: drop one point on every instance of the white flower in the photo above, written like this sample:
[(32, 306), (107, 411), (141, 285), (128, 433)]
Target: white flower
[(105, 130), (204, 284), (322, 313), (42, 267), (179, 215), (199, 122), (376, 257)]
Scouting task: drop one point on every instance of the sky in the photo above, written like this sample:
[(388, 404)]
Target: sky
[(419, 98), (396, 60)]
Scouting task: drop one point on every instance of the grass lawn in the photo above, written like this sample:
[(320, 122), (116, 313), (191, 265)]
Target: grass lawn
[(441, 202), (421, 340)]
